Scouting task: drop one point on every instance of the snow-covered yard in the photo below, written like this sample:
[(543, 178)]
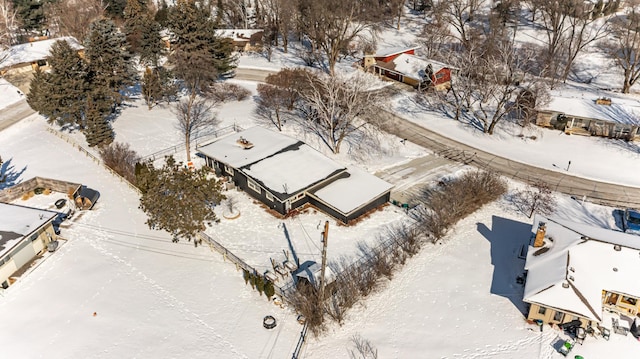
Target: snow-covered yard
[(153, 298)]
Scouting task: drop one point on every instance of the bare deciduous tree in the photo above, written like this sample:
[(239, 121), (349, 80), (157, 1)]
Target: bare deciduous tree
[(462, 15), (363, 349), (624, 47), (73, 17), (570, 25), (535, 198), (333, 24), (120, 158), (195, 114), (9, 24), (336, 108)]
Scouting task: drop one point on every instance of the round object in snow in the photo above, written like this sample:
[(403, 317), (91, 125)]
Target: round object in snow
[(269, 322)]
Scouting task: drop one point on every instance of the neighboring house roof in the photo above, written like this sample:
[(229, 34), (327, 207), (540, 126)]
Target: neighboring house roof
[(34, 51), (574, 102), (238, 34), (411, 66), (390, 51), (576, 263), (16, 222), (350, 193)]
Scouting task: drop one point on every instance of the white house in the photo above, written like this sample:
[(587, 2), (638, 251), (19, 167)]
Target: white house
[(25, 232), (32, 55), (581, 272)]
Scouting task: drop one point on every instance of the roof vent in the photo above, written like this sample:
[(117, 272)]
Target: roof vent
[(617, 247), (585, 237), (244, 143), (565, 285), (572, 269), (571, 278), (615, 269)]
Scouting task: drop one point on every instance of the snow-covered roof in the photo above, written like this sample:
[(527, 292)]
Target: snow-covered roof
[(16, 222), (34, 51), (575, 102), (312, 271), (577, 262), (390, 51), (350, 193), (412, 66), (238, 34), (295, 169), (229, 151)]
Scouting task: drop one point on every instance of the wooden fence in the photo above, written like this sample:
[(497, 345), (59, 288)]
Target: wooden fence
[(281, 291), (198, 141), (93, 157)]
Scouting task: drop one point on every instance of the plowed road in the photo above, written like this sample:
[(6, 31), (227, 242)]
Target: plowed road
[(594, 191)]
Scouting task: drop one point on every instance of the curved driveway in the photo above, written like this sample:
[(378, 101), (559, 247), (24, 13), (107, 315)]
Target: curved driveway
[(593, 191)]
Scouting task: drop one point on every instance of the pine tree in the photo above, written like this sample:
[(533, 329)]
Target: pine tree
[(199, 56), (134, 15), (60, 94), (98, 131), (109, 60), (151, 45), (177, 199)]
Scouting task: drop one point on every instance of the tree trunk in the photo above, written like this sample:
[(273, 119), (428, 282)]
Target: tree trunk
[(626, 86)]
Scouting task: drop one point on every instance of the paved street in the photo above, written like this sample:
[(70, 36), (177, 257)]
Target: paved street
[(14, 113), (452, 151)]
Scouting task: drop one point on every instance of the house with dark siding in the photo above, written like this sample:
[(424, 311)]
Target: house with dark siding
[(285, 173)]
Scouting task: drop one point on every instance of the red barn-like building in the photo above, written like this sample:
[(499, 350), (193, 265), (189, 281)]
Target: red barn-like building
[(401, 64)]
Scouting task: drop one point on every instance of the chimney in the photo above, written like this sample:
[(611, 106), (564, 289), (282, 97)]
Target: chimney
[(542, 229)]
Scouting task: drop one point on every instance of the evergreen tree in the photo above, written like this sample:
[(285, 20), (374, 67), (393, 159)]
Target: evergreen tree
[(31, 14), (115, 8), (162, 15), (60, 94), (199, 56), (135, 13), (109, 60), (177, 199), (98, 131), (151, 47)]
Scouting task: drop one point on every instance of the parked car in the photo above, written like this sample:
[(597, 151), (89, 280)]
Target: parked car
[(631, 221)]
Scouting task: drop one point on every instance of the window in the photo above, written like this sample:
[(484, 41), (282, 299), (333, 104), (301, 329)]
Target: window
[(269, 196), (298, 197), (542, 310), (42, 63), (253, 186), (228, 169), (34, 237), (628, 300), (558, 316)]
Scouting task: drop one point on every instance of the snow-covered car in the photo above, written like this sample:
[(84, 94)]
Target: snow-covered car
[(631, 221)]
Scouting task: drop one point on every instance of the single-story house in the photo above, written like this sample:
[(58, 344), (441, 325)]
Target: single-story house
[(25, 232), (402, 65), (575, 113), (580, 272), (32, 56), (243, 39), (285, 173)]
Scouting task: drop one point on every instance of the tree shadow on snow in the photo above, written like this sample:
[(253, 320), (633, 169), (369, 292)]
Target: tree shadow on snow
[(9, 176), (507, 238)]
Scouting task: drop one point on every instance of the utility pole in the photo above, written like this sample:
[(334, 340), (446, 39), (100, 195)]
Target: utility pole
[(325, 238)]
